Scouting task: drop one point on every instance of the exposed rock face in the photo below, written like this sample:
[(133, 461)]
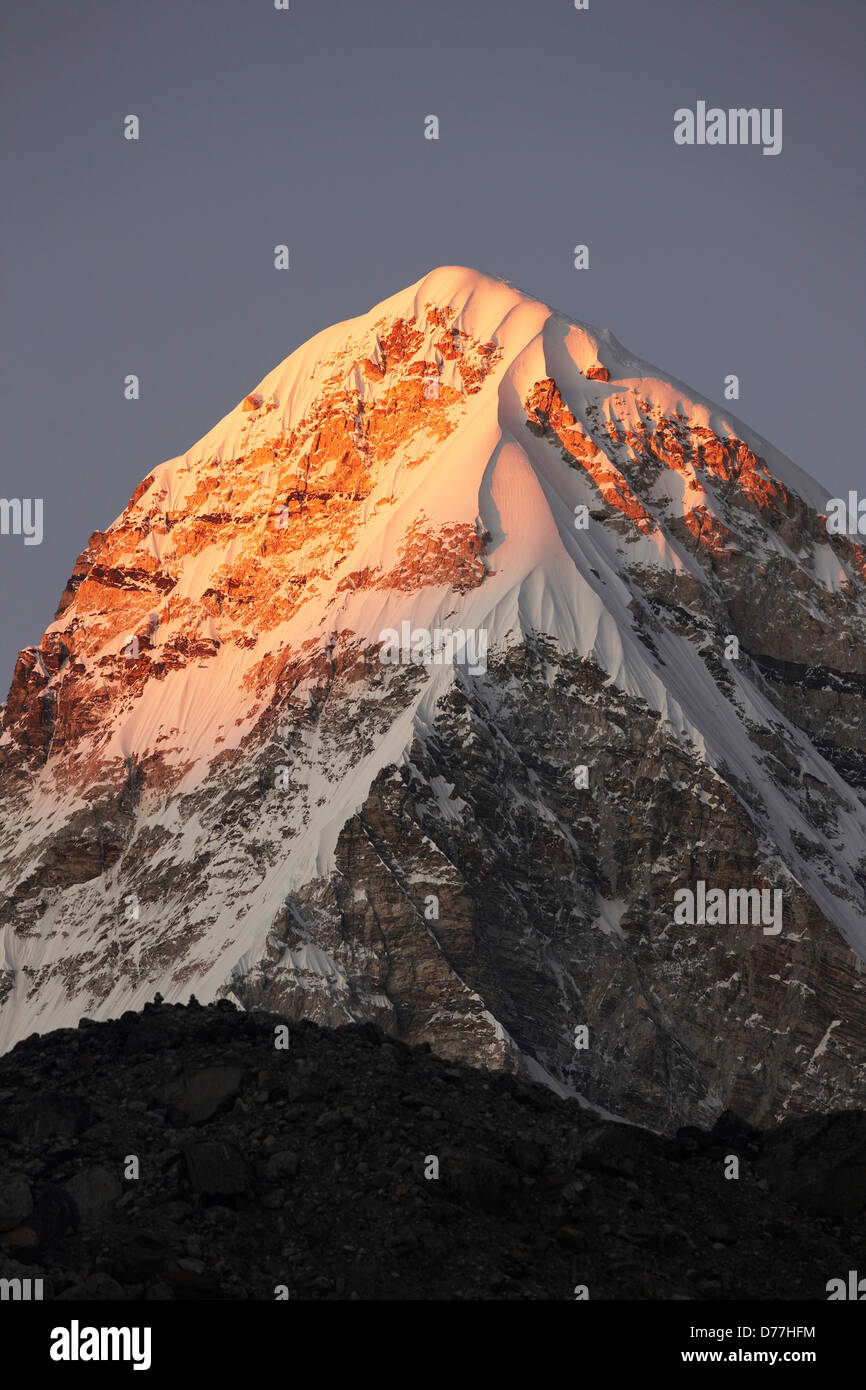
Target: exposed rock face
[(211, 778)]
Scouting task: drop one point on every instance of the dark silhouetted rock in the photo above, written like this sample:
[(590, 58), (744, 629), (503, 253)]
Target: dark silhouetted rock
[(819, 1163), (217, 1169), (199, 1095), (94, 1191), (312, 1168), (16, 1200)]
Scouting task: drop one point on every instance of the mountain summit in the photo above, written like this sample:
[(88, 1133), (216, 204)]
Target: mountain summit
[(422, 689)]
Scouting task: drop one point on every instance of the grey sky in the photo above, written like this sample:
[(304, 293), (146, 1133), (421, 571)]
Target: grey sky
[(306, 127)]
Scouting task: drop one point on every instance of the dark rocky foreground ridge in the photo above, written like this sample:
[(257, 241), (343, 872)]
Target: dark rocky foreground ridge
[(305, 1167)]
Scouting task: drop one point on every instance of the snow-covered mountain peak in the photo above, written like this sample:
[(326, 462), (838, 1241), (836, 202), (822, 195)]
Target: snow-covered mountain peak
[(189, 756)]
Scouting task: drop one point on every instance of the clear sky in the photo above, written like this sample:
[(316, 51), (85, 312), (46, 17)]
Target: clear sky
[(306, 127)]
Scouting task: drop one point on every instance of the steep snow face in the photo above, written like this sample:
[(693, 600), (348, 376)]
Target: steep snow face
[(190, 749)]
